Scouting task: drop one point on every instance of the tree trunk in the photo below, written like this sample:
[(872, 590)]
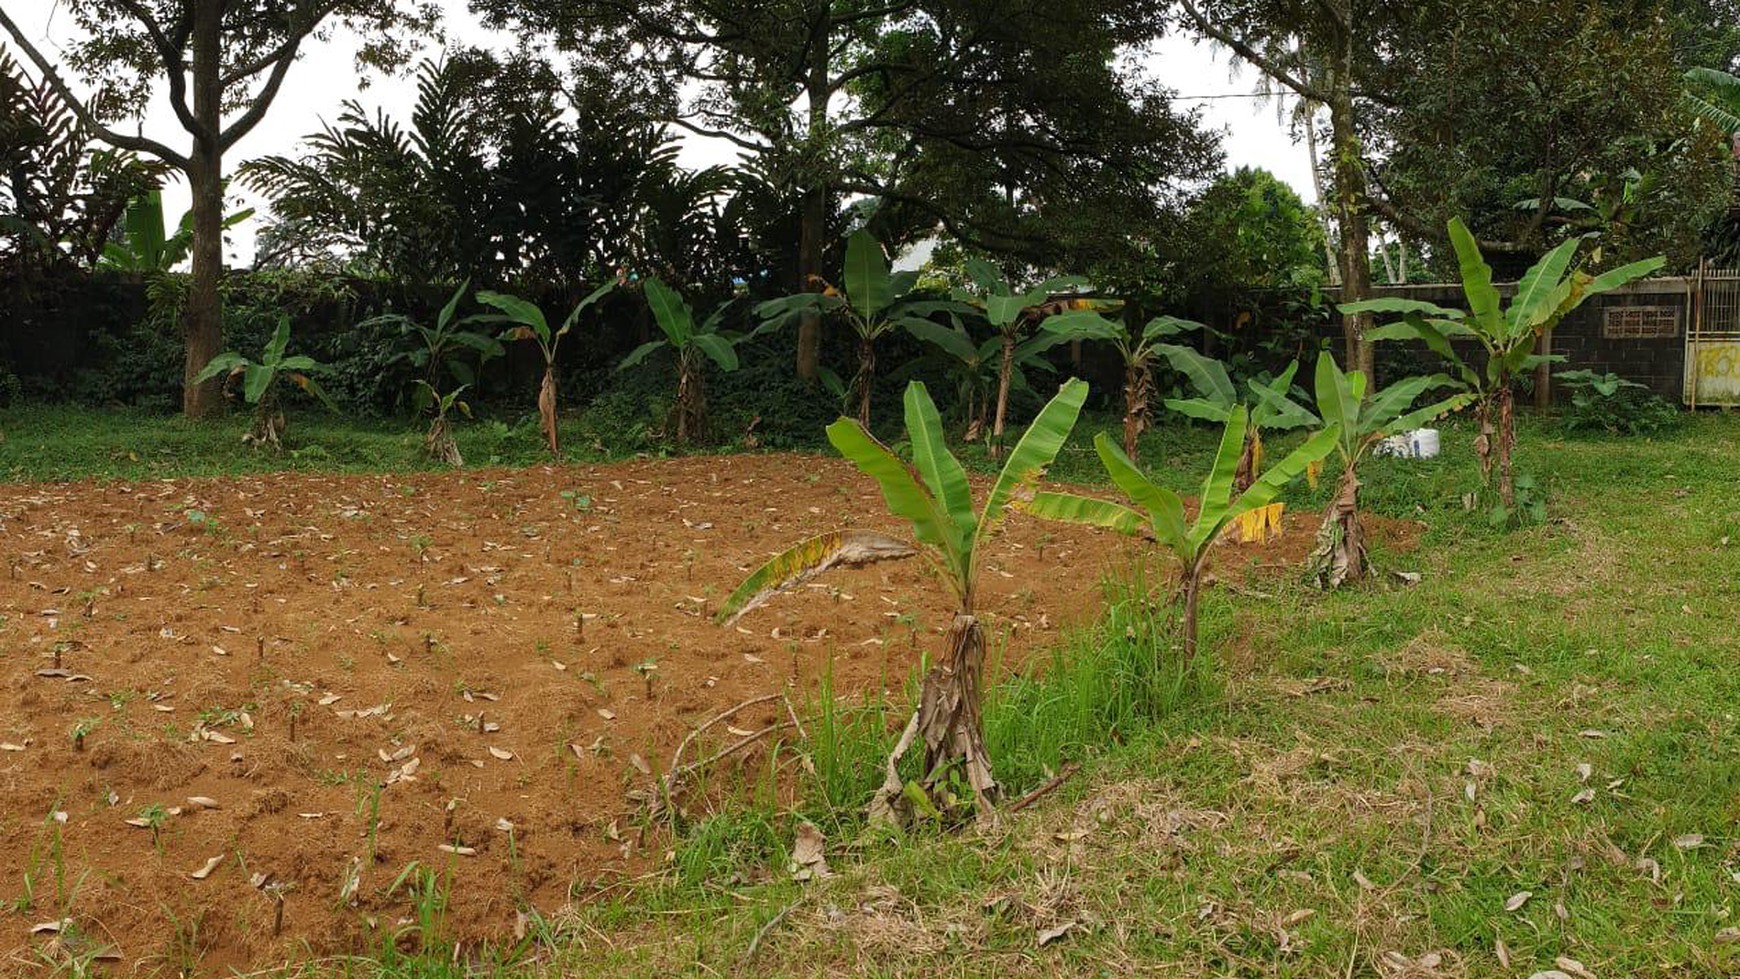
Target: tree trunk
[(1486, 440), (812, 247), (547, 408), (202, 318), (1544, 372), (1350, 198), (1005, 371), (948, 719), (865, 381), (440, 444), (1138, 389), (1317, 185), (1340, 554), (813, 229)]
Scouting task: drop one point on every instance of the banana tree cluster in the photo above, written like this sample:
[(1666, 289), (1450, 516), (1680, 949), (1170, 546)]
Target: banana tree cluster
[(933, 495), (1508, 335)]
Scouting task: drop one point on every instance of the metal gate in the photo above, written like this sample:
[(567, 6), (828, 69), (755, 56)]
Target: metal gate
[(1713, 340)]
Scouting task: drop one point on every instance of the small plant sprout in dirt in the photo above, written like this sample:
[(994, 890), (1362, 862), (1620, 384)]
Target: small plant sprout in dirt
[(693, 343), (1138, 353), (1510, 336), (260, 383), (649, 671), (439, 442), (1161, 513), (526, 322), (82, 730), (1342, 404), (938, 501)]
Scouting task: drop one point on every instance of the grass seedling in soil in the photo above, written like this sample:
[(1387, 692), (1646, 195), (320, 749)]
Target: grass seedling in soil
[(82, 730), (648, 670), (154, 817)]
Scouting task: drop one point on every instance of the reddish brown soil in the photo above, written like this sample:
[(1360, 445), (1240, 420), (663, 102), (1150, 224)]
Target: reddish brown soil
[(193, 644)]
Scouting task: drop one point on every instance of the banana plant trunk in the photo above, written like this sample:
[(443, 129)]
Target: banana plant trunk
[(1005, 370), (1249, 460), (267, 428), (866, 379), (1497, 439), (1138, 389), (691, 401), (547, 408), (1340, 554), (1191, 585), (949, 721), (440, 444)]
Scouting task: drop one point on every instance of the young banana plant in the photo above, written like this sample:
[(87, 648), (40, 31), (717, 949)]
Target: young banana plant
[(1013, 315), (1218, 396), (877, 301), (1342, 405), (526, 322), (976, 367), (260, 383), (1138, 352), (439, 442), (693, 344), (932, 493), (1159, 512), (1545, 295)]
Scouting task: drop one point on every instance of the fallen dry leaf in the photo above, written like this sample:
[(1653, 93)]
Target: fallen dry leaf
[(210, 865), (808, 859), (1517, 900), (1052, 934), (1573, 967), (501, 753)]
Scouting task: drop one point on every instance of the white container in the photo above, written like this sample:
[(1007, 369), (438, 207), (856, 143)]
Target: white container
[(1423, 443)]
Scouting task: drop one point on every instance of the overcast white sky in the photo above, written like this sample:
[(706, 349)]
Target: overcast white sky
[(326, 76)]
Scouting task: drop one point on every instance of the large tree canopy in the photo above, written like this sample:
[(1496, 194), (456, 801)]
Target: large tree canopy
[(1008, 123), (221, 64)]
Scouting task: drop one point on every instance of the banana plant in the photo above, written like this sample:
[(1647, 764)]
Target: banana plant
[(1138, 352), (1218, 396), (976, 367), (1159, 512), (1013, 316), (1340, 553), (260, 383), (526, 322), (933, 494), (439, 352), (876, 302), (439, 442), (693, 344), (1509, 335), (143, 245)]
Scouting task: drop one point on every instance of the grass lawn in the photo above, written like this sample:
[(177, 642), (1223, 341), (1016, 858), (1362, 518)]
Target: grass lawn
[(1529, 757)]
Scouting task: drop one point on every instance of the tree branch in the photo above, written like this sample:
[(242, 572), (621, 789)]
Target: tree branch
[(138, 144), (174, 68), (1246, 51), (262, 101), (747, 144)]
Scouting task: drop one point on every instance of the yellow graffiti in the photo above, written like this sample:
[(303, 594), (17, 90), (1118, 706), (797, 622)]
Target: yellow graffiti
[(1718, 362)]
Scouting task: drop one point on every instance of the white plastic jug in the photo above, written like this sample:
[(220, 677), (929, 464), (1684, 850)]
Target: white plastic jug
[(1423, 443)]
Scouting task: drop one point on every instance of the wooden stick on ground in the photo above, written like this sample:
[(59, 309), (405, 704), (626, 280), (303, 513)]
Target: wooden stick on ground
[(1046, 789)]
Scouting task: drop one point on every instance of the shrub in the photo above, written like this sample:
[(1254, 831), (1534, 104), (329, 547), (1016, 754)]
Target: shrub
[(1610, 403)]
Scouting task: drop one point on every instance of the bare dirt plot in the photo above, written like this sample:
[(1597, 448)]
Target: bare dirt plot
[(320, 680)]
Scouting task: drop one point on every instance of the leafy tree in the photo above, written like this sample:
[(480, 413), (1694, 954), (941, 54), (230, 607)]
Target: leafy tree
[(213, 60), (1253, 231), (526, 322), (933, 494), (693, 343), (876, 302), (260, 383), (1159, 511), (1508, 335), (997, 120), (1361, 422), (62, 196)]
